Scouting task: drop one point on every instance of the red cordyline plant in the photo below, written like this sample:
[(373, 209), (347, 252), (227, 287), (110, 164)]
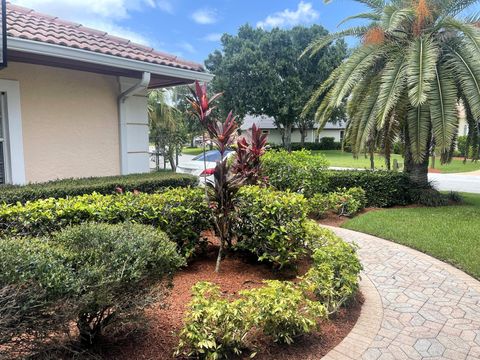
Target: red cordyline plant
[(249, 151), (226, 183)]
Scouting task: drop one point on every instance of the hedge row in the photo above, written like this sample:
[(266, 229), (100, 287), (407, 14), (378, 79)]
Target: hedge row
[(182, 213), (382, 188), (325, 143), (147, 183)]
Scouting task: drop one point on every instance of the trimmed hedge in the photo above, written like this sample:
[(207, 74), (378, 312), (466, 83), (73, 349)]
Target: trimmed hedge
[(147, 183), (297, 171), (382, 188), (182, 213), (325, 143), (270, 224)]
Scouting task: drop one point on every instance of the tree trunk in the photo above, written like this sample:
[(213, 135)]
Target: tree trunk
[(288, 137), (372, 160), (418, 173), (303, 135)]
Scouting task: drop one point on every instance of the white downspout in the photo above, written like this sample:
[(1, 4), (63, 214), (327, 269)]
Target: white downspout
[(122, 119)]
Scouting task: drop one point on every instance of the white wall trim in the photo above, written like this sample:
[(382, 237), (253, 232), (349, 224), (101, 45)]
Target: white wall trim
[(15, 131), (64, 52)]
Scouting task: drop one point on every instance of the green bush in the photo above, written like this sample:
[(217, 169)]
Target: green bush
[(215, 328), (298, 171), (325, 143), (462, 146), (93, 274), (429, 197), (270, 224), (182, 213), (319, 205), (334, 276), (382, 188), (146, 183), (282, 311), (344, 202)]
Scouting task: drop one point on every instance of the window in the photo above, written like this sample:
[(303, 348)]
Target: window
[(266, 132), (3, 143), (342, 134)]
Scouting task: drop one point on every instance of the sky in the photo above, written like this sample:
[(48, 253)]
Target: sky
[(192, 29)]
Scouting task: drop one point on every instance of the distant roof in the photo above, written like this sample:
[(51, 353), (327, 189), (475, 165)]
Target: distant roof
[(266, 122), (24, 23)]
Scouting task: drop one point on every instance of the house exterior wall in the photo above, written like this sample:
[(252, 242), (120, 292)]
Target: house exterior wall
[(135, 125), (69, 121)]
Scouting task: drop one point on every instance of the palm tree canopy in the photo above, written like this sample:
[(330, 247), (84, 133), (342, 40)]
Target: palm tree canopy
[(417, 61)]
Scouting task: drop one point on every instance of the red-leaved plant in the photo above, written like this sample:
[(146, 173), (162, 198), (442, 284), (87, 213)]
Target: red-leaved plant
[(250, 149), (223, 188)]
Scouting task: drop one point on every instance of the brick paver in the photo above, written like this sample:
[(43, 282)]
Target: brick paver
[(425, 309)]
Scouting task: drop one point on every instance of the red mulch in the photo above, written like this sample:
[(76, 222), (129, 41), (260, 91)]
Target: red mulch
[(159, 339), (333, 219), (434, 171)]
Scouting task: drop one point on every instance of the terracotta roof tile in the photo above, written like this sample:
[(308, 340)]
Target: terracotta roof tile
[(28, 24)]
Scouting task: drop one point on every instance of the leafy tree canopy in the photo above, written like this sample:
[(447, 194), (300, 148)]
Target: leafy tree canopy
[(260, 72)]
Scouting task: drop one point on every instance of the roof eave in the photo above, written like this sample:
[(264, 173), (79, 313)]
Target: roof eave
[(41, 48)]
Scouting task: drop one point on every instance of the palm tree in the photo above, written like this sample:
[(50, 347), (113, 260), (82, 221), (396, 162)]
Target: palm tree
[(418, 60), (165, 127)]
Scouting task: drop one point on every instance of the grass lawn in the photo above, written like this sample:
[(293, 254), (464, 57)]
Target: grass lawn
[(192, 151), (344, 159), (450, 233)]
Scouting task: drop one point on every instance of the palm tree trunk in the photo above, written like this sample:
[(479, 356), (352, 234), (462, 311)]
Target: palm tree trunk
[(418, 173)]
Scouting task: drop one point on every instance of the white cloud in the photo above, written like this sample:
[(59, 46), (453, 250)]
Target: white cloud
[(205, 16), (165, 5), (188, 47), (304, 14), (99, 14), (214, 37)]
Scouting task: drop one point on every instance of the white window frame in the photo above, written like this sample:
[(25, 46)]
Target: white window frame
[(14, 156)]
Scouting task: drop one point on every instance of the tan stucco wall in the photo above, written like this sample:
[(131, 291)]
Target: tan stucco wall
[(70, 122)]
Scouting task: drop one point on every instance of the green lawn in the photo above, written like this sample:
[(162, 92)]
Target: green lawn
[(192, 151), (450, 233), (344, 159)]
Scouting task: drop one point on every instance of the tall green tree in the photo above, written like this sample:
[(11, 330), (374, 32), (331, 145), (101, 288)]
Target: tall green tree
[(416, 62), (167, 129), (260, 73)]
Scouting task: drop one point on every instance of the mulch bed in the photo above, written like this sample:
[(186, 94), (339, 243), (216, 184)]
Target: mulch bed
[(158, 340)]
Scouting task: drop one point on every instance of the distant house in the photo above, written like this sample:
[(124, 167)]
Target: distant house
[(267, 124), (73, 99)]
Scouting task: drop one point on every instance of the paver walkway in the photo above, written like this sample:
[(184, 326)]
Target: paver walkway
[(428, 309)]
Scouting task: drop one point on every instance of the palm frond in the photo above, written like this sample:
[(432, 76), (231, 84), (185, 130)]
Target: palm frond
[(443, 110), (369, 15), (393, 17), (422, 62), (467, 74), (319, 44), (353, 70), (419, 132), (470, 31), (392, 83)]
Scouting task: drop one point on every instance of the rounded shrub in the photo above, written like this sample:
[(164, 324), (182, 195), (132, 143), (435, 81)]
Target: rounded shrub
[(95, 275), (269, 224)]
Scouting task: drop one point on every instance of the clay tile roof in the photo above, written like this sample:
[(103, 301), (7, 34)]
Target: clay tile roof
[(28, 24)]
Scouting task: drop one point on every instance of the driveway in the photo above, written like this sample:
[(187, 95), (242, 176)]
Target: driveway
[(462, 182)]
